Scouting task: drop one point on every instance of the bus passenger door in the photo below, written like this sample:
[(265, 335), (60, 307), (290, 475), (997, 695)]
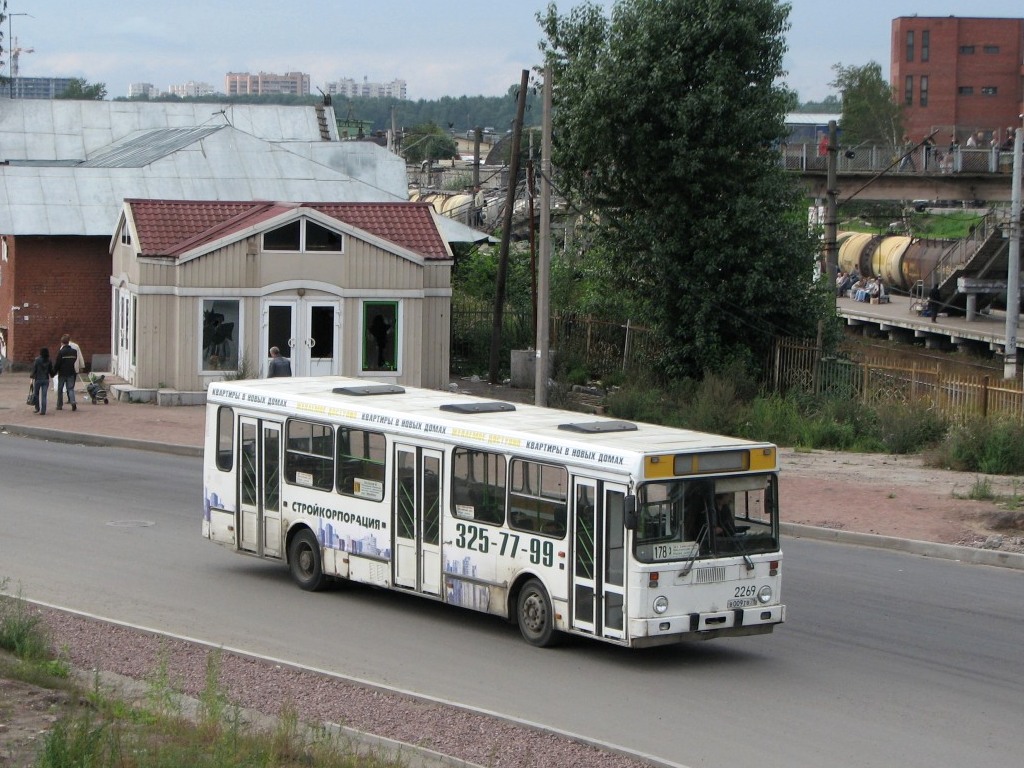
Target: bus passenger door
[(259, 493), (599, 558), (417, 519)]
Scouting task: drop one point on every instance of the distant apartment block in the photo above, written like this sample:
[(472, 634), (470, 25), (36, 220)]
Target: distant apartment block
[(245, 84), (191, 88), (960, 75), (350, 88), (36, 87), (142, 90)]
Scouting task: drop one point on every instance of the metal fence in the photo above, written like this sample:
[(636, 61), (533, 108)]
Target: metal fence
[(798, 365), (874, 158), (600, 346)]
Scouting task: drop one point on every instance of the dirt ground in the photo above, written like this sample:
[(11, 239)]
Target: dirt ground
[(886, 495)]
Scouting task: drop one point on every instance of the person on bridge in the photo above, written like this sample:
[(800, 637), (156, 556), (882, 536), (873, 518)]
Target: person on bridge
[(934, 302)]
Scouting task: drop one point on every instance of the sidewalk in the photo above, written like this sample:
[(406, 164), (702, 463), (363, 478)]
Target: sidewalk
[(176, 430)]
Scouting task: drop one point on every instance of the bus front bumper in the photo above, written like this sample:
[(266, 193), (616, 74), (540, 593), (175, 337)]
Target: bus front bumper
[(662, 630)]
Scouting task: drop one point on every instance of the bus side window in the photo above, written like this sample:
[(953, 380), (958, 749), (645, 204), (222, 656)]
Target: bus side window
[(478, 486), (309, 458), (537, 498), (362, 457), (225, 438)]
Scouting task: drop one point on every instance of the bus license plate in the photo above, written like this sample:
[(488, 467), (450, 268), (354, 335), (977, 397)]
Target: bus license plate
[(742, 602)]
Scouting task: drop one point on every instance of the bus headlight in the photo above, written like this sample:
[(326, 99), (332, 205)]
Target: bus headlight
[(660, 604), (764, 594)]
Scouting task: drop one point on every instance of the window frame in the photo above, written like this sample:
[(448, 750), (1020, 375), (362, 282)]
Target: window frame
[(908, 95), (303, 246), (225, 434), (922, 91), (925, 44), (212, 305), (910, 45), (368, 344)]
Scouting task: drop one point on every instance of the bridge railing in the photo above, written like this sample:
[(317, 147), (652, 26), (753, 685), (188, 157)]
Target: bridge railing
[(863, 158)]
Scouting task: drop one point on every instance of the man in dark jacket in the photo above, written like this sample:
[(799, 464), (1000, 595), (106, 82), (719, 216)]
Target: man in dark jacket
[(64, 366)]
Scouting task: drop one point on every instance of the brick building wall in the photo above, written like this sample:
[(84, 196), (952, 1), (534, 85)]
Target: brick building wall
[(973, 69), (52, 286)]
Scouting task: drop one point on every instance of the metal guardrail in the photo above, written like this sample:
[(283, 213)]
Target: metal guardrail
[(874, 158)]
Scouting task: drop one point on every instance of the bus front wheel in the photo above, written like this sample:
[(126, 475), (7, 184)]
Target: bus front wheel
[(304, 561), (534, 615)]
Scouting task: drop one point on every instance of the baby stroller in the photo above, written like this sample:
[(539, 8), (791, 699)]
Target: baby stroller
[(94, 388)]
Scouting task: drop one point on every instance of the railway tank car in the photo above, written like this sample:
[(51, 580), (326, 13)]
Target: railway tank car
[(899, 260)]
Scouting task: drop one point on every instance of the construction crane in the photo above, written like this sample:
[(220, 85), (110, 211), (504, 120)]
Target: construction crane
[(16, 51)]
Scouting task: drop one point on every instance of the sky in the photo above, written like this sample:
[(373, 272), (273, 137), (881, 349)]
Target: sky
[(440, 48)]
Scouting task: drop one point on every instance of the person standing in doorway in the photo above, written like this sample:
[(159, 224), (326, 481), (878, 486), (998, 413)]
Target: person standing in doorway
[(42, 370), (278, 366), (65, 367)]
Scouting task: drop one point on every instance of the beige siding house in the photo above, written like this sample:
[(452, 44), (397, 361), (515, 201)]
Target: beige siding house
[(203, 289)]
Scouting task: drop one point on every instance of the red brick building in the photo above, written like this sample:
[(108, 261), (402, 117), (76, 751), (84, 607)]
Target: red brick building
[(958, 74)]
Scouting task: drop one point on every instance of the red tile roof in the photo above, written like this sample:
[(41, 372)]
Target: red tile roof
[(174, 227)]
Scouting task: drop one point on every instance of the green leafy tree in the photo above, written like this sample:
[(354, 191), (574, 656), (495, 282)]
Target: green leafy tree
[(428, 141), (664, 123), (80, 89), (870, 114)]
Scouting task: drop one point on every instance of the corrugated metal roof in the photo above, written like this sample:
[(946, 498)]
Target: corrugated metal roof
[(148, 147)]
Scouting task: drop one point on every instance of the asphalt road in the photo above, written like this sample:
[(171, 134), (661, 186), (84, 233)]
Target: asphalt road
[(886, 659)]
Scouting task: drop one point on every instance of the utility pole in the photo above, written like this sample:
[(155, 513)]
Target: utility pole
[(832, 203), (506, 228), (540, 380), (1013, 270), (478, 133)]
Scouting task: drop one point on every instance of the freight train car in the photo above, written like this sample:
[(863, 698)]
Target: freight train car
[(899, 260)]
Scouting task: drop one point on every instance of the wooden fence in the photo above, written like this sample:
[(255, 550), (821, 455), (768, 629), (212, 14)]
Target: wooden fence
[(799, 366)]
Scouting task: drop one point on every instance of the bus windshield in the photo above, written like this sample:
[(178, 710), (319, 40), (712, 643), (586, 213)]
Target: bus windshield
[(706, 517)]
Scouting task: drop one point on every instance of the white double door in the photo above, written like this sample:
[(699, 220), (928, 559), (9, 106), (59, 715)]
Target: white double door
[(307, 331)]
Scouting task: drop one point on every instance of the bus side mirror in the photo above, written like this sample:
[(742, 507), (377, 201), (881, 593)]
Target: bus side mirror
[(629, 507)]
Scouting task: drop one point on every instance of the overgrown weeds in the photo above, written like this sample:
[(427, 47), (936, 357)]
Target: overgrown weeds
[(97, 729), (728, 403)]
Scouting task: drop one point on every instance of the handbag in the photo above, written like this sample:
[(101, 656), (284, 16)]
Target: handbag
[(31, 399)]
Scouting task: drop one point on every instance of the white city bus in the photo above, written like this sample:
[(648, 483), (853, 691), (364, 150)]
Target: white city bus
[(562, 522)]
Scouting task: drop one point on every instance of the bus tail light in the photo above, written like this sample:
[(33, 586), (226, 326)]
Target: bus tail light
[(773, 568), (652, 580)]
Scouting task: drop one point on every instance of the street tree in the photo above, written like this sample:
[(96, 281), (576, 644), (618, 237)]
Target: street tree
[(428, 141), (667, 116), (870, 114), (80, 89)]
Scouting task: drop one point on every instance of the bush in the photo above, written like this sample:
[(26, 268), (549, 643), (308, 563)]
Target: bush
[(983, 445)]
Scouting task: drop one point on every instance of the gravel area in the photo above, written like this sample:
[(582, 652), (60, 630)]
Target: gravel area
[(93, 645)]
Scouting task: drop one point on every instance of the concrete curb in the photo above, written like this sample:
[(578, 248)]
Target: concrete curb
[(970, 555), (60, 436)]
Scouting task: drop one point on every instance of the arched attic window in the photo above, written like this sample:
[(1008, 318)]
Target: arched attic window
[(302, 235)]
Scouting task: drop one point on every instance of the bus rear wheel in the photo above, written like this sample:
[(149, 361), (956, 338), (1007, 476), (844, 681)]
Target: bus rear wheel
[(534, 615), (304, 561)]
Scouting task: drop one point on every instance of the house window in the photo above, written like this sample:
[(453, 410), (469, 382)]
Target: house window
[(302, 236), (925, 44), (967, 50), (989, 90), (910, 46), (924, 90), (991, 49), (380, 336), (966, 90), (908, 96), (220, 335)]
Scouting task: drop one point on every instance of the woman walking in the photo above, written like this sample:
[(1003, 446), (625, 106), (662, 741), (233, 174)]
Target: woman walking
[(42, 370)]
